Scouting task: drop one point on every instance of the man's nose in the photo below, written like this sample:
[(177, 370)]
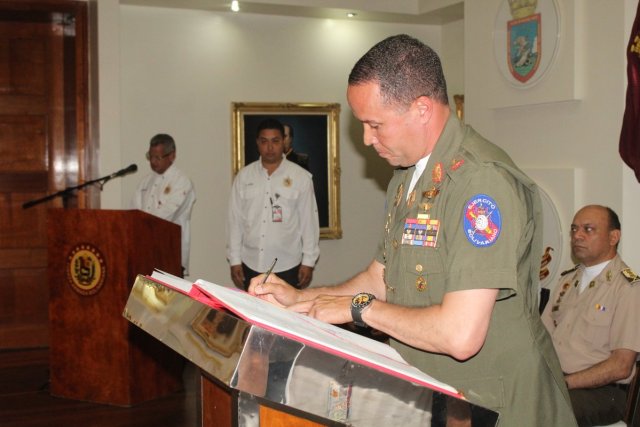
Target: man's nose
[(369, 137)]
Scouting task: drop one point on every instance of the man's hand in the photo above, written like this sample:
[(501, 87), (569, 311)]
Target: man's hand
[(276, 290), (328, 308), (305, 274), (237, 275)]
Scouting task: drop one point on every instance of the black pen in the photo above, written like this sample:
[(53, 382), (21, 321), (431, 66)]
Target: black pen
[(269, 271)]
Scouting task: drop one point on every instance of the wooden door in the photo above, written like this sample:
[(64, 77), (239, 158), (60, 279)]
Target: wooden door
[(42, 133)]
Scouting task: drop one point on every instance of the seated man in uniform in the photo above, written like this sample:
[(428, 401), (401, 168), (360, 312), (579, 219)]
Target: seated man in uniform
[(593, 319)]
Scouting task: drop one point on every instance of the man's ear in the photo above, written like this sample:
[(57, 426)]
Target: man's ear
[(614, 237), (424, 106)]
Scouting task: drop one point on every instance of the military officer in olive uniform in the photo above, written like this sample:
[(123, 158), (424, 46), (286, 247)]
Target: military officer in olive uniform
[(458, 298), (593, 319)]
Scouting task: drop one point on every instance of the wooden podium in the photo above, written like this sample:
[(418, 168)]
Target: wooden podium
[(94, 257)]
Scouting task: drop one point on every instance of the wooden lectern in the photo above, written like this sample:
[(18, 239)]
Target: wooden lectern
[(94, 257)]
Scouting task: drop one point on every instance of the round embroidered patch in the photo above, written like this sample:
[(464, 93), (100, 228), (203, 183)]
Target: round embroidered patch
[(481, 221)]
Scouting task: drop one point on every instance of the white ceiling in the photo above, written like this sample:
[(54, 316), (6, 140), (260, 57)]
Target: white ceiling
[(433, 12)]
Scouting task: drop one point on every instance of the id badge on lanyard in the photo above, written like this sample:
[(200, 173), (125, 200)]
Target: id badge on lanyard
[(276, 211)]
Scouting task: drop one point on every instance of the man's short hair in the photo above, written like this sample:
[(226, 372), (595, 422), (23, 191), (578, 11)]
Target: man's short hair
[(404, 68), (614, 221), (270, 123), (165, 140)]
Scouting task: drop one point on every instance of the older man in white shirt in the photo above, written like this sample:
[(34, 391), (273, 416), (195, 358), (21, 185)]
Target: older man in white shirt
[(167, 192)]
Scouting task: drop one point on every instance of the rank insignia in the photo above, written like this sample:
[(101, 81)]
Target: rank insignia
[(436, 173), (609, 274), (630, 275), (456, 163), (287, 182), (481, 221), (421, 284)]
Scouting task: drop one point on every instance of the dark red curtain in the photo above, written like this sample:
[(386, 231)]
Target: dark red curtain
[(630, 134)]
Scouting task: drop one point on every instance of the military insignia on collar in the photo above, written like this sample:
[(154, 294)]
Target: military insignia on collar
[(399, 194), (411, 199), (287, 182), (571, 270), (481, 220), (436, 173), (456, 163), (630, 275), (167, 190)]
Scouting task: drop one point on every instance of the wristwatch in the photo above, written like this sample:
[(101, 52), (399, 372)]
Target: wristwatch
[(358, 304)]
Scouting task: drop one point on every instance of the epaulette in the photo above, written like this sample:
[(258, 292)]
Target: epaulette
[(630, 275), (570, 270)]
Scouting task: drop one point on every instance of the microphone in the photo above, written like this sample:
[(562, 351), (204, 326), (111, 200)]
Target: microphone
[(122, 172)]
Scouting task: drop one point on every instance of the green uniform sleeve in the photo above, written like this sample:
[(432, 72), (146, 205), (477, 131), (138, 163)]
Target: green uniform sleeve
[(474, 260)]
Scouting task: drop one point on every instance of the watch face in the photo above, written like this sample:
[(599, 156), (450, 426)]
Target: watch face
[(361, 299)]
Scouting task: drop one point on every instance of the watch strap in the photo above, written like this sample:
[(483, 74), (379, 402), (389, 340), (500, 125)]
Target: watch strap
[(358, 307)]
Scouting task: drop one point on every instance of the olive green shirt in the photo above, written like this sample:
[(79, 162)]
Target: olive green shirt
[(516, 373)]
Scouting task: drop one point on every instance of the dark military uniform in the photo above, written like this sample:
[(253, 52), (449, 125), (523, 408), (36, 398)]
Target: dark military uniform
[(482, 218)]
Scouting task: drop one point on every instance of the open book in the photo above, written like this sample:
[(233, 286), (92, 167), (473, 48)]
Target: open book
[(304, 329)]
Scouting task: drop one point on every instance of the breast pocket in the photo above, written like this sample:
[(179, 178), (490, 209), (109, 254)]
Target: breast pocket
[(423, 276), (288, 201), (250, 199), (597, 325)]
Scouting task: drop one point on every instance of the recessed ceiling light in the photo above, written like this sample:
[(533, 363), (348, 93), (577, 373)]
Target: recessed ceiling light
[(235, 6), (351, 14)]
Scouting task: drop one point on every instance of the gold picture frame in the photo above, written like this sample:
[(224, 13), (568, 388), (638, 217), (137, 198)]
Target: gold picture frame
[(316, 134)]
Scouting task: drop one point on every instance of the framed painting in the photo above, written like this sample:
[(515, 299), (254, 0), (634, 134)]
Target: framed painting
[(314, 130)]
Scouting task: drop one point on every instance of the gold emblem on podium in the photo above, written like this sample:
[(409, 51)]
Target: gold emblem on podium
[(86, 270)]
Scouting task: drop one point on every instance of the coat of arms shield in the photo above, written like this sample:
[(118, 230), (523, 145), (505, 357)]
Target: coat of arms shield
[(524, 46)]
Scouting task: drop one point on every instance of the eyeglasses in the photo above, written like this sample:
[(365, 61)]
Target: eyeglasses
[(164, 156)]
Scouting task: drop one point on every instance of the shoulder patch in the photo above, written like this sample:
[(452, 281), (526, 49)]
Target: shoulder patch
[(630, 275), (481, 220), (571, 270)]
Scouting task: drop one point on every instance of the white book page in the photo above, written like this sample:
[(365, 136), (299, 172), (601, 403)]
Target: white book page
[(173, 281), (324, 335)]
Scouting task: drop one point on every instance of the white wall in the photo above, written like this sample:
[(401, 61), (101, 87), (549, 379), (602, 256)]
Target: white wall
[(581, 135), (181, 69)]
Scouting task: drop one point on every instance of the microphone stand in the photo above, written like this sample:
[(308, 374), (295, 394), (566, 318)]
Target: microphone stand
[(67, 191)]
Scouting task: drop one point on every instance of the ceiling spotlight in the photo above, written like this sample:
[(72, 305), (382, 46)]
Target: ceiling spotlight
[(235, 6), (351, 14)]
